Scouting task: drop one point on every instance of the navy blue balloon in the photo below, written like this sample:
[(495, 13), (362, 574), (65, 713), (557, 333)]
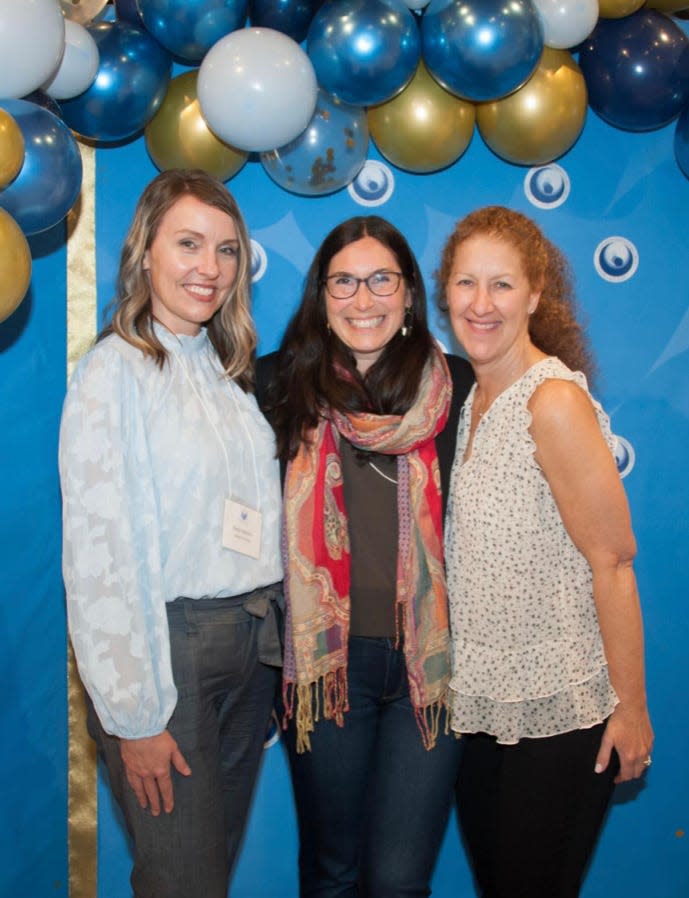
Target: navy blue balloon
[(131, 83), (41, 98), (636, 70), (364, 51), (291, 17), (128, 11), (682, 141), (49, 181), (481, 49), (189, 28)]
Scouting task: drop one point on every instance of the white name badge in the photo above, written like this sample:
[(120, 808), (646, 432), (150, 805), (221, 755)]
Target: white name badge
[(241, 530)]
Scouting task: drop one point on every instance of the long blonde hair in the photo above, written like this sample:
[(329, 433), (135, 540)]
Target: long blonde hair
[(231, 330)]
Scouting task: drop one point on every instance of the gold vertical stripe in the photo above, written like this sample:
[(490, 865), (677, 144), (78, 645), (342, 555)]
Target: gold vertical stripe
[(82, 798)]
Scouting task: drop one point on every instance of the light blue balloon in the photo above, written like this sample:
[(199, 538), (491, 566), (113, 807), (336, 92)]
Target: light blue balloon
[(325, 157), (130, 85), (189, 28), (49, 181), (364, 51), (481, 49)]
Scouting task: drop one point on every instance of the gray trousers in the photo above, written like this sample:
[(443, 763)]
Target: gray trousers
[(225, 660)]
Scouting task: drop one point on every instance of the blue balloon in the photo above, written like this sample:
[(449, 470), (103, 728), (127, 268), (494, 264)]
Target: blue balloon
[(189, 28), (327, 155), (291, 17), (636, 70), (682, 141), (49, 181), (481, 49), (41, 98), (131, 83), (128, 11), (364, 51)]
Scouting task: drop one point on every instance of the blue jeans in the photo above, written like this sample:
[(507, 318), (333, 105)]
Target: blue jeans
[(372, 803), (225, 699)]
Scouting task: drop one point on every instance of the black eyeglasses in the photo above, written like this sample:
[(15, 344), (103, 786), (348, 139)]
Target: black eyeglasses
[(380, 283)]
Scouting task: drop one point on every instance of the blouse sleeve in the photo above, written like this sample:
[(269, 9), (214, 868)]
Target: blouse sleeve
[(111, 549)]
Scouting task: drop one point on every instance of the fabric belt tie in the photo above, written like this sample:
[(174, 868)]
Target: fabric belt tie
[(268, 642)]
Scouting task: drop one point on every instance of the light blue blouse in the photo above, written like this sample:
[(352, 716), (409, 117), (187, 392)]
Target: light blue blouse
[(148, 457)]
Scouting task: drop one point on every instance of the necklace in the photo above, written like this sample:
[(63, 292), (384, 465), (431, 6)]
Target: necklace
[(382, 474)]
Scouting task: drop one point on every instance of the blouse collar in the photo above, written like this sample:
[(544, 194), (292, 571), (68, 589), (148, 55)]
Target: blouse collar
[(187, 344)]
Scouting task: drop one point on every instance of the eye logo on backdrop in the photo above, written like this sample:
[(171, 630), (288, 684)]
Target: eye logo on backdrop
[(374, 185), (616, 259), (625, 456), (259, 261), (547, 186)]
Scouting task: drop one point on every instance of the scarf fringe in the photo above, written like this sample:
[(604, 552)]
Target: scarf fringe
[(306, 701), (428, 721)]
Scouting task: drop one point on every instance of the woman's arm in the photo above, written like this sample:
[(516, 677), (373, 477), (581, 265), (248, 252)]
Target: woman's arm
[(583, 478)]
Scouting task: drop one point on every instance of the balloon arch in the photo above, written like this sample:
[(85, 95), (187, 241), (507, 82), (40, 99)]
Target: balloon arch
[(307, 84)]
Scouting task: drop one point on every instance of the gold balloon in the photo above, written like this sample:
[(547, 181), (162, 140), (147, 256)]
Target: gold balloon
[(15, 265), (424, 128), (618, 9), (541, 120), (178, 137), (11, 149)]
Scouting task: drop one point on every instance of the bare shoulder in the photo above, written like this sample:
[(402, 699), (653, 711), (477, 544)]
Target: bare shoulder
[(560, 404)]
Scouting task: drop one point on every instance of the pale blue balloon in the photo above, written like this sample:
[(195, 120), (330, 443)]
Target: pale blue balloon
[(189, 28), (481, 49), (364, 51), (49, 181), (130, 85), (325, 157)]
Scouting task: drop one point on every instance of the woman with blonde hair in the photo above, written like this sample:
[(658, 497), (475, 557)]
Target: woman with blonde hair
[(171, 560)]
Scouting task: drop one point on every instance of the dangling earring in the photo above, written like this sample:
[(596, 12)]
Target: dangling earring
[(405, 330)]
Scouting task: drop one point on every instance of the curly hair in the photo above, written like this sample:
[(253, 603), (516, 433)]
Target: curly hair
[(231, 329), (553, 327), (316, 371)]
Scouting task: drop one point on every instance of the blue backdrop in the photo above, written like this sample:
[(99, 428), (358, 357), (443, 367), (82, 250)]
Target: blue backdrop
[(617, 204)]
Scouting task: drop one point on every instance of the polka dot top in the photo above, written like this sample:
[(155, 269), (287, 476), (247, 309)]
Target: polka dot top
[(527, 653)]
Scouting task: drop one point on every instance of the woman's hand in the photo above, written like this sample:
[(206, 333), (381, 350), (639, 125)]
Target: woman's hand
[(630, 733), (147, 764)]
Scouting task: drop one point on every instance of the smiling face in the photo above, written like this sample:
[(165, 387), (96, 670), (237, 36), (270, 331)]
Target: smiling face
[(489, 300), (366, 322), (191, 264)]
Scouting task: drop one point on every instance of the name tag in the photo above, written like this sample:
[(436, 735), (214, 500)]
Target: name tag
[(241, 529)]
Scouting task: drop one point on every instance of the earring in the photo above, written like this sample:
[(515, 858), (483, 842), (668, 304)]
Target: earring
[(405, 330)]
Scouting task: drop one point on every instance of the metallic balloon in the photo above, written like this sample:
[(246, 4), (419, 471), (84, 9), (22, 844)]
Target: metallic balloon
[(128, 11), (189, 28), (327, 155), (364, 51), (41, 98), (132, 78), (481, 49), (541, 120), (669, 6), (15, 265), (178, 137), (424, 128), (83, 12), (11, 148), (617, 9), (291, 17), (257, 89), (637, 70), (49, 182)]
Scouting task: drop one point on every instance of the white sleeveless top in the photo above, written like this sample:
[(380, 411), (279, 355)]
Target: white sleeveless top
[(527, 653)]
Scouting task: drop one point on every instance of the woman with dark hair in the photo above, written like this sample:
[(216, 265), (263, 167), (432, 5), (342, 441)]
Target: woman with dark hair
[(171, 501), (547, 648), (364, 405)]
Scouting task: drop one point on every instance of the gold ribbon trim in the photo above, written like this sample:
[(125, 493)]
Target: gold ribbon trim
[(82, 796)]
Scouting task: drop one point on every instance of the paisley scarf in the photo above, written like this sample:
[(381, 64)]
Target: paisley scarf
[(315, 547)]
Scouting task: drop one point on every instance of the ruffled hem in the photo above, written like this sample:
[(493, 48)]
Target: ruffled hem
[(576, 707)]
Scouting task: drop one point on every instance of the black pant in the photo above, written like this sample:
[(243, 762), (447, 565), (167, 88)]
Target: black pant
[(531, 812)]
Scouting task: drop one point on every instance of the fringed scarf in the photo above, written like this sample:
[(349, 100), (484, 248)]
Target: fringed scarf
[(316, 559)]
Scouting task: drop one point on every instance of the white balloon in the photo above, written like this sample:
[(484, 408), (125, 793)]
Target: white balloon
[(257, 89), (32, 41), (79, 66), (416, 4), (566, 23)]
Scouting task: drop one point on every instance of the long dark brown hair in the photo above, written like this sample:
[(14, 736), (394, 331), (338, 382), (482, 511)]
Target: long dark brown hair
[(317, 372)]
